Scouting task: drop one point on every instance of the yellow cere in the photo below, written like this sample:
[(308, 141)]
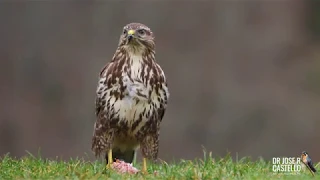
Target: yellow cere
[(131, 32)]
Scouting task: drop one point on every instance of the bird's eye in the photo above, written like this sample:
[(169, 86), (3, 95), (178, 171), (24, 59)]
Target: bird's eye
[(141, 31), (124, 31)]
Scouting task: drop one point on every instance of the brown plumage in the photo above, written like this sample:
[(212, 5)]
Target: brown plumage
[(131, 100)]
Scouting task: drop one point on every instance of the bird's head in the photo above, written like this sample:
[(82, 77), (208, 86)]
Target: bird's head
[(304, 153), (137, 37)]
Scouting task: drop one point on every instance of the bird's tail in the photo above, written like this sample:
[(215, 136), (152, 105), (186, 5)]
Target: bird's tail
[(126, 156), (313, 169)]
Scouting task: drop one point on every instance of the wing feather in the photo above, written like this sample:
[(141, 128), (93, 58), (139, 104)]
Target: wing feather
[(99, 142), (101, 89), (163, 93)]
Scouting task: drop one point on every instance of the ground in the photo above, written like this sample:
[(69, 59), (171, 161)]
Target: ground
[(31, 167)]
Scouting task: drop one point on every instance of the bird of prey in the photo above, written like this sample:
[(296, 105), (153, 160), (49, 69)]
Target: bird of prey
[(307, 161), (132, 96)]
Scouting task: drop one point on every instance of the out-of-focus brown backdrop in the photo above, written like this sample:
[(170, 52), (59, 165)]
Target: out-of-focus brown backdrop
[(244, 76)]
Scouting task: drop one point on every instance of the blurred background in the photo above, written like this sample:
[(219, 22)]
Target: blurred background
[(244, 76)]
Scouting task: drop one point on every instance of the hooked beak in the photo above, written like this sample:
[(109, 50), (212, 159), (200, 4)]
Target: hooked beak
[(130, 35)]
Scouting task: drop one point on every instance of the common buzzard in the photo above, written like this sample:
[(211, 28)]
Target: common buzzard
[(131, 100)]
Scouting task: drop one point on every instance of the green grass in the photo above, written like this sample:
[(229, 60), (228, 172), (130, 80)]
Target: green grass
[(30, 167)]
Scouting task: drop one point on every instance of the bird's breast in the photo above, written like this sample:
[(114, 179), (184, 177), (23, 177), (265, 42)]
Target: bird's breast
[(137, 107), (133, 113)]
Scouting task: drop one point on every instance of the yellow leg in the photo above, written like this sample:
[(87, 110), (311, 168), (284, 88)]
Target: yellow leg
[(110, 161), (144, 168)]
